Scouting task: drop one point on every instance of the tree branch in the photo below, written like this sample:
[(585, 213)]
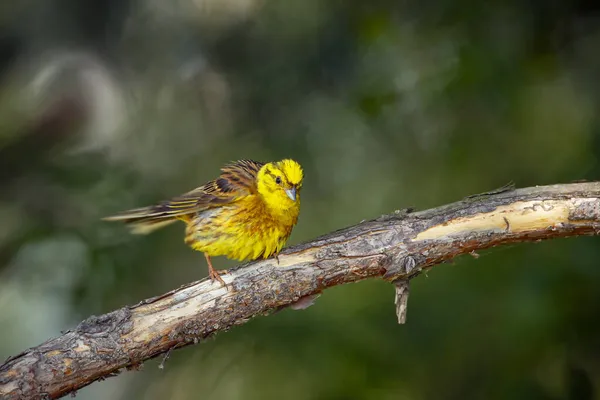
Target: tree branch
[(395, 247)]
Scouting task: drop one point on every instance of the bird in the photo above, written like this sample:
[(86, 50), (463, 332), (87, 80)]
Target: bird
[(248, 212)]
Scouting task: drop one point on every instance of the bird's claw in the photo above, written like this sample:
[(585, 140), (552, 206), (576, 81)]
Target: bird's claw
[(215, 276)]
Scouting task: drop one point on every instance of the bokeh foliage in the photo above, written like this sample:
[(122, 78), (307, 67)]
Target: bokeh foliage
[(110, 104)]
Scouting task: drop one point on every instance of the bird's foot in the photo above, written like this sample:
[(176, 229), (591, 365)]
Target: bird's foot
[(215, 276)]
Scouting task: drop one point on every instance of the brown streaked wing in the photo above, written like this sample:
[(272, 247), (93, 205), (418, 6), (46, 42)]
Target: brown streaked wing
[(240, 175), (237, 179)]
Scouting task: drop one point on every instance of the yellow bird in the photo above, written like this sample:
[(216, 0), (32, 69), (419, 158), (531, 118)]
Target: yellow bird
[(246, 213)]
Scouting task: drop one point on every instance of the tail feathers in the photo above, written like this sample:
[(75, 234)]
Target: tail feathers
[(146, 227), (142, 221)]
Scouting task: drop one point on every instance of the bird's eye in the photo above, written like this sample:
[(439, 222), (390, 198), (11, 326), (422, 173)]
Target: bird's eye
[(278, 180)]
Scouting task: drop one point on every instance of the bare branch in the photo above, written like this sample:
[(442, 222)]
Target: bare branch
[(396, 248)]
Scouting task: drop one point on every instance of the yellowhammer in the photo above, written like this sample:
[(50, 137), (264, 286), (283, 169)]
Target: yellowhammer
[(246, 213)]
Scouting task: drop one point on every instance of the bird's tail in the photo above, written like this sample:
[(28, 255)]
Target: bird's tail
[(144, 220)]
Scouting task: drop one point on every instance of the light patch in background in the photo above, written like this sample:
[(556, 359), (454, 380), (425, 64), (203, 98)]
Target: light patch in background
[(39, 278), (88, 79)]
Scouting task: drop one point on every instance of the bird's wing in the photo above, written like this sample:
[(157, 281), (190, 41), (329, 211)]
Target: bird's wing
[(239, 176), (237, 179)]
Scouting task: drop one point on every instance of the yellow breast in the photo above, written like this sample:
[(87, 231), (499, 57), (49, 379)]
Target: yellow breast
[(243, 230)]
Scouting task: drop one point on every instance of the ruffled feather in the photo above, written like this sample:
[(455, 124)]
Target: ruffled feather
[(237, 180)]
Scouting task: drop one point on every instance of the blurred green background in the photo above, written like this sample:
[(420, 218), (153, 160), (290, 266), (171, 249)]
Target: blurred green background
[(111, 104)]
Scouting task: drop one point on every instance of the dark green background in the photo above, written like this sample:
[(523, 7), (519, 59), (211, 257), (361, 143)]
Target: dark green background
[(106, 105)]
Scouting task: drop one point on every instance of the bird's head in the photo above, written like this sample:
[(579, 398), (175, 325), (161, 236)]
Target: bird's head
[(279, 183)]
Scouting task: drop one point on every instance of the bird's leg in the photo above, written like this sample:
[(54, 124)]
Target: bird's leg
[(212, 272)]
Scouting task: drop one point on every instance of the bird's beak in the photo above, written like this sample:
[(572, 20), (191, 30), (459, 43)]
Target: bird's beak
[(291, 193)]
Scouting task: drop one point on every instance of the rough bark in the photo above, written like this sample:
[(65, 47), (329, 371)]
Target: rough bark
[(395, 247)]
